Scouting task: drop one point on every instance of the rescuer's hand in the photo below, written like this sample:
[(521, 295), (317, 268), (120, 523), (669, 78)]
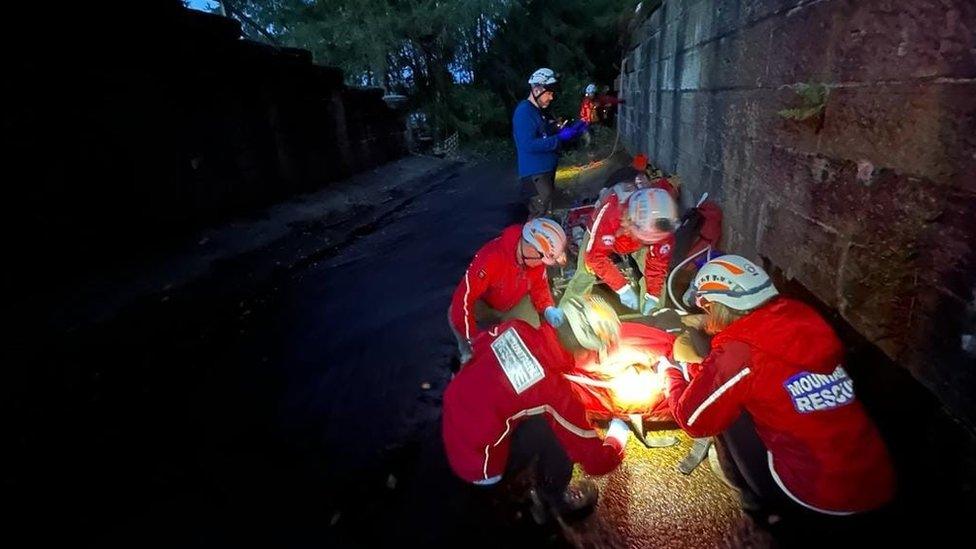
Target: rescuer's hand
[(663, 364), (684, 350), (619, 431), (555, 316), (628, 297), (696, 322), (650, 303), (566, 135)]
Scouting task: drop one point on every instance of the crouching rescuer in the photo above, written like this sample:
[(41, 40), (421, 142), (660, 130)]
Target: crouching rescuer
[(510, 408), (505, 275), (641, 224), (792, 435)]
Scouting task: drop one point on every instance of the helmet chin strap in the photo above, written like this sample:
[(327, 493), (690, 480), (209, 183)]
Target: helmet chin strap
[(536, 96)]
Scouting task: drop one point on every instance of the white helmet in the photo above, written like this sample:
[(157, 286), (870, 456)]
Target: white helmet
[(548, 237), (733, 281), (590, 90), (653, 214), (593, 321), (543, 77)]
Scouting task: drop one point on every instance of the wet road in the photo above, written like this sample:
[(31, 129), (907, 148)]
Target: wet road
[(304, 410), (300, 410)]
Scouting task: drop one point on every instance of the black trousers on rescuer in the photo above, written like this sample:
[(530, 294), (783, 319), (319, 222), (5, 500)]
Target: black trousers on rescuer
[(543, 185), (535, 447), (534, 444), (745, 463)]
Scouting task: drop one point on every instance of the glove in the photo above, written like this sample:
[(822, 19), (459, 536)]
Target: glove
[(555, 316), (663, 364), (618, 431), (628, 297), (580, 126), (568, 133), (650, 303)]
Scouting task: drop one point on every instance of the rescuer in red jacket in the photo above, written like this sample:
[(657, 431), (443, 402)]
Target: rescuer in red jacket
[(795, 437), (591, 104), (643, 222), (503, 272), (511, 399)]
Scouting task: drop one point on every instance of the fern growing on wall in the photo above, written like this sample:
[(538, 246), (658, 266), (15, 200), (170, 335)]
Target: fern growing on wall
[(813, 99)]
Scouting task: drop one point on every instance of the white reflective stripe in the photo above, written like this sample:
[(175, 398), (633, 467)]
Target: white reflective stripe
[(587, 384), (467, 292), (484, 471), (779, 482), (714, 396), (596, 225), (568, 425), (587, 381)]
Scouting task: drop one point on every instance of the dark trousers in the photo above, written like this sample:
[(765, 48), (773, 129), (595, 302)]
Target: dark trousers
[(534, 445), (743, 458), (745, 463), (538, 190)]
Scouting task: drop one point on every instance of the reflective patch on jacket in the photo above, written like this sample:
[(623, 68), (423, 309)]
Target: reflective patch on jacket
[(520, 366), (818, 392)]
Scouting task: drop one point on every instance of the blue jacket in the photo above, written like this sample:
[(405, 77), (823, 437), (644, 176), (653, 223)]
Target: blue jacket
[(535, 140)]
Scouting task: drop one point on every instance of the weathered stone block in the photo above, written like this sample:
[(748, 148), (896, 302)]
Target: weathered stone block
[(869, 207), (805, 249), (917, 128), (866, 41), (666, 76), (732, 16), (738, 60), (739, 114), (669, 41), (688, 70), (700, 25), (742, 207)]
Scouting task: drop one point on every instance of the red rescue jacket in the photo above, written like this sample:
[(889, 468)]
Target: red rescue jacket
[(587, 112), (606, 237), (495, 277), (782, 365), (516, 371)]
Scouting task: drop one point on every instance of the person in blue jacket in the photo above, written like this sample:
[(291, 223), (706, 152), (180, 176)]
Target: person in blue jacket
[(538, 141)]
